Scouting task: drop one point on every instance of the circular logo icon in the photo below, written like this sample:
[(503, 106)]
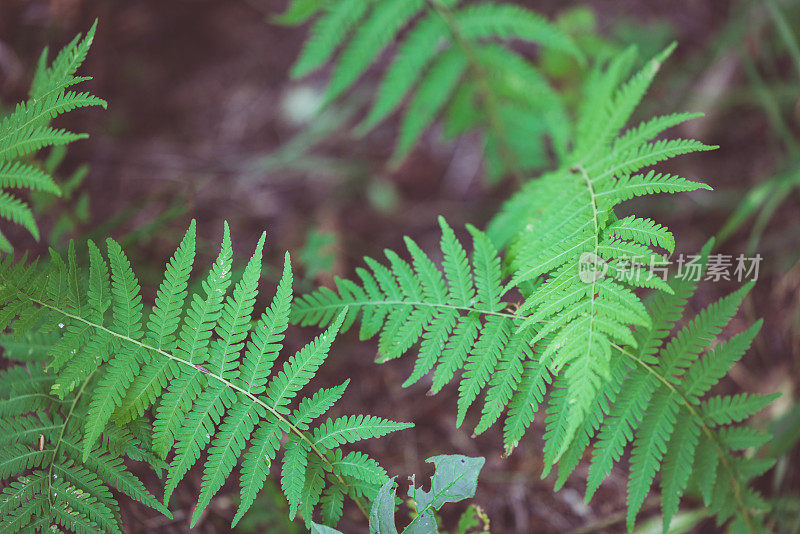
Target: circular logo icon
[(591, 267)]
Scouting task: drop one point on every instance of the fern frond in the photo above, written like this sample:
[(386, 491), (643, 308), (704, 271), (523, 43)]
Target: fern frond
[(457, 317), (352, 429), (444, 52), (507, 21), (47, 483), (432, 94), (561, 234), (725, 410), (414, 55), (582, 325), (525, 402), (26, 130), (645, 232), (660, 412), (161, 327), (18, 212), (378, 30), (18, 175), (212, 384), (328, 32)]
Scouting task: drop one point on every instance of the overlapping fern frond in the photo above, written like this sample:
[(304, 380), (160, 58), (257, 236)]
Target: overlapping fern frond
[(654, 396), (551, 230), (47, 482), (204, 366), (579, 270), (451, 62), (27, 130)]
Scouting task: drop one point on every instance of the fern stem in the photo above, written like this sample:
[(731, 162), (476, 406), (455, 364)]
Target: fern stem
[(468, 309), (203, 370), (61, 435), (486, 94), (723, 455)]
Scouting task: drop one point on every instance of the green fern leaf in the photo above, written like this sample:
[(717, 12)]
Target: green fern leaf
[(432, 94), (18, 175), (656, 428), (234, 321), (262, 349), (481, 363), (293, 474), (328, 32), (299, 369), (352, 429), (643, 231), (19, 213), (677, 465), (504, 381), (256, 464), (413, 57), (525, 402), (127, 310), (192, 346), (508, 21), (724, 410), (378, 30)]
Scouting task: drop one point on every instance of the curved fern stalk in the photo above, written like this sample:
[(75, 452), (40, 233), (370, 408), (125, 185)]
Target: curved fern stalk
[(447, 65), (205, 366), (47, 483), (26, 130)]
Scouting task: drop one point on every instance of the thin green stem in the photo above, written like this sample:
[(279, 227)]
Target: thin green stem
[(437, 305), (770, 106), (61, 435)]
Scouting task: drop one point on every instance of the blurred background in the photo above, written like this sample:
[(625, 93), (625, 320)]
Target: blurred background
[(204, 122)]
